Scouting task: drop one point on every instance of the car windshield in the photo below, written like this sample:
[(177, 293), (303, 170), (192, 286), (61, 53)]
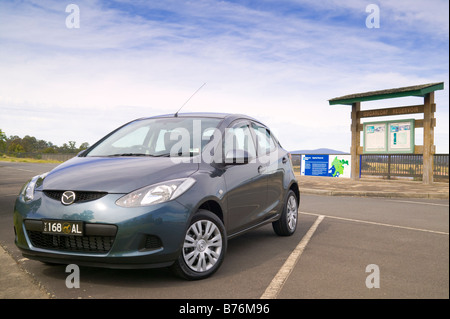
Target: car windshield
[(175, 136)]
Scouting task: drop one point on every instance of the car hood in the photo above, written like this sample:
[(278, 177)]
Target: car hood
[(115, 174)]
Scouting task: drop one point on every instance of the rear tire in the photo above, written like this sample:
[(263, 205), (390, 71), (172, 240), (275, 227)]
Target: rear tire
[(287, 224), (204, 247)]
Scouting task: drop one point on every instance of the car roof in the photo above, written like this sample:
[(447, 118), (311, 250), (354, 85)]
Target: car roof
[(229, 116)]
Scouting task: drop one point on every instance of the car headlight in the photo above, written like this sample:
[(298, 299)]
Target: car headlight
[(29, 188), (157, 193)]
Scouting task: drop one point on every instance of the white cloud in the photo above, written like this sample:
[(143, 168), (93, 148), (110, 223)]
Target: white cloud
[(139, 58)]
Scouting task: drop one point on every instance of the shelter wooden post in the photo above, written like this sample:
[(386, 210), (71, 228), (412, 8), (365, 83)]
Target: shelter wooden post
[(428, 123), (428, 138), (356, 107)]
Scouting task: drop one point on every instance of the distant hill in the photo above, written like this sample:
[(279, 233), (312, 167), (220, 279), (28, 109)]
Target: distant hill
[(318, 151)]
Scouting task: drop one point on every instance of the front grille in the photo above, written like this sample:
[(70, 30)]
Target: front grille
[(80, 196), (93, 244), (96, 238)]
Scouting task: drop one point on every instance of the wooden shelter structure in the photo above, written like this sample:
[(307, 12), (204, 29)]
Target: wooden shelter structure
[(428, 108)]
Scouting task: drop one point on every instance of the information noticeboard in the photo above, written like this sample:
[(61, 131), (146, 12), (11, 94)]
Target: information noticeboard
[(389, 137), (375, 138), (326, 165)]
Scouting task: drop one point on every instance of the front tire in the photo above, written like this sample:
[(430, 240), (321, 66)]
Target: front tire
[(204, 247), (287, 224)]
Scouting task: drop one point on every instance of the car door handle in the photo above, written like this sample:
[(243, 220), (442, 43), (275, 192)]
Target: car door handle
[(260, 169), (284, 160)]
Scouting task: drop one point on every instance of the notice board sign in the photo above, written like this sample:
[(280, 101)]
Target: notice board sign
[(389, 137), (375, 137), (401, 137), (326, 165)]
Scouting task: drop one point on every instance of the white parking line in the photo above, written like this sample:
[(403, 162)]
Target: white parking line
[(413, 202), (379, 224), (280, 278)]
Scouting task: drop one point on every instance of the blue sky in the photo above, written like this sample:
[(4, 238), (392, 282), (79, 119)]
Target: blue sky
[(279, 61)]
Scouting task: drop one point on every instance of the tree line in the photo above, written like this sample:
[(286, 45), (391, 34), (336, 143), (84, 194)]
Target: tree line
[(15, 145)]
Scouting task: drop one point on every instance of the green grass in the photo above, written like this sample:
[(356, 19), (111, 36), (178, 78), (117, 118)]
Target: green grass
[(5, 158)]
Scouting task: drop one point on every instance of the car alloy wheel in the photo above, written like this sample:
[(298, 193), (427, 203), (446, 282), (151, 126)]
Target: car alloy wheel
[(202, 245), (291, 213), (203, 248), (286, 225)]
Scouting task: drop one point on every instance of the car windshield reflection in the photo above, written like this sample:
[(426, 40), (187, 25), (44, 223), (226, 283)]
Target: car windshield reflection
[(162, 137)]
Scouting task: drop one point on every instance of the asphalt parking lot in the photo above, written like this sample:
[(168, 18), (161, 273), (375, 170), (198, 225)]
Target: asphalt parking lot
[(346, 247)]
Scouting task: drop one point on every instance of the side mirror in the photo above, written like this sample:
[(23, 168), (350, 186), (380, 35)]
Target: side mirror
[(237, 157)]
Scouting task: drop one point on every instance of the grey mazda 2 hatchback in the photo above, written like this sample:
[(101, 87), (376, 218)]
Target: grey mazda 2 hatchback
[(166, 191)]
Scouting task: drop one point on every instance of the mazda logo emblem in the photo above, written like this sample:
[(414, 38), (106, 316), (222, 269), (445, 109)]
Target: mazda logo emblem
[(68, 197)]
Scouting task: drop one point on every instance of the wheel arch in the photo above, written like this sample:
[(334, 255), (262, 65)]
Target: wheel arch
[(294, 187), (214, 207)]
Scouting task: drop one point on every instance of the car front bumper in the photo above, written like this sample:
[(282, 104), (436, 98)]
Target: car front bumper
[(113, 236)]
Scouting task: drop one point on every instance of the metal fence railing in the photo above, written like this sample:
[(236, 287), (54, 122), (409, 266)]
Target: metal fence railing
[(296, 162), (402, 165), (440, 170)]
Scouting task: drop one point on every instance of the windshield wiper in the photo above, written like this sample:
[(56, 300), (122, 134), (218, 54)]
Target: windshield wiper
[(151, 155), (129, 154), (162, 155)]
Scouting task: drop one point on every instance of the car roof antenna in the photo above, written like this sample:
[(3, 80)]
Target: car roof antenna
[(176, 114)]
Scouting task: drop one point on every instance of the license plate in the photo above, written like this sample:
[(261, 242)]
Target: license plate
[(58, 227)]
